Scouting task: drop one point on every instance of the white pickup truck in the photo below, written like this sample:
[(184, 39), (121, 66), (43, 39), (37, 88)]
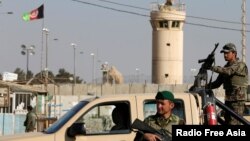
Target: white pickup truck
[(94, 120)]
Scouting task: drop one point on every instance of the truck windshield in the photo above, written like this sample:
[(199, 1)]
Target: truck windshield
[(61, 121)]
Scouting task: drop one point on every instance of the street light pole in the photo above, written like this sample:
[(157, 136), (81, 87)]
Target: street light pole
[(74, 47), (137, 74), (93, 67), (27, 51), (46, 65), (46, 31), (81, 52)]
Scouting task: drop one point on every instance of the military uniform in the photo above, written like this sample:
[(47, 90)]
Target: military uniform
[(160, 123), (234, 77)]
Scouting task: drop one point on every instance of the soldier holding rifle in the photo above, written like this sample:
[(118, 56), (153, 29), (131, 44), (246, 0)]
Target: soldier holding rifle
[(234, 77)]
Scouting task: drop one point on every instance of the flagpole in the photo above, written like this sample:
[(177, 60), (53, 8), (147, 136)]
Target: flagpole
[(42, 50), (45, 79)]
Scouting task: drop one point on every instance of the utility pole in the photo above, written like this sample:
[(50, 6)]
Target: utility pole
[(243, 32)]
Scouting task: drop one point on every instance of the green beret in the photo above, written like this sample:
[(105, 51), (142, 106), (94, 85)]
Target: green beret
[(165, 95)]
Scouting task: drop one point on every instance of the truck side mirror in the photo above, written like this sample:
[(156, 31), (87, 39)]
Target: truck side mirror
[(76, 129)]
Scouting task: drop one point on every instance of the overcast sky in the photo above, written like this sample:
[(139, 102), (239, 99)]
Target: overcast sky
[(120, 38)]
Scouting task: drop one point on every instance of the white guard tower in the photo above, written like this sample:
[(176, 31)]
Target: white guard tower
[(167, 21)]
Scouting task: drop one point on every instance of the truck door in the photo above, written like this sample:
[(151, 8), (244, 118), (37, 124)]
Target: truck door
[(108, 121)]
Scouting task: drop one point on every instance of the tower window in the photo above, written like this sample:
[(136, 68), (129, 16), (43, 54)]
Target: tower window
[(163, 24), (176, 24)]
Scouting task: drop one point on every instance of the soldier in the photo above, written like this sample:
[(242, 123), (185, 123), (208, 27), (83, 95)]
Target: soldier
[(30, 122), (234, 77), (163, 119)]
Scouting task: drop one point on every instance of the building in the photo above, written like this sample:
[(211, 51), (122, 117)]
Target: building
[(167, 21)]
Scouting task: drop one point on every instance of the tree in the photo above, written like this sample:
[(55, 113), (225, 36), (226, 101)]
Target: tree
[(65, 77), (62, 77), (29, 75), (40, 78), (78, 80), (21, 74)]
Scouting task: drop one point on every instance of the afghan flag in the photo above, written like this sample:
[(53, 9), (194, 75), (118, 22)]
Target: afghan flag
[(34, 14)]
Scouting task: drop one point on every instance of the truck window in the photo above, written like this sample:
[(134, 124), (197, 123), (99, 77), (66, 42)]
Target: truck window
[(150, 108), (107, 118), (59, 123)]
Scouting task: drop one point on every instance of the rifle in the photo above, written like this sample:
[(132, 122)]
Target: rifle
[(202, 74), (144, 128), (209, 60), (199, 87)]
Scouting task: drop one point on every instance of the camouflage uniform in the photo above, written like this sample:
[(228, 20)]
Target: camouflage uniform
[(160, 123), (234, 77)]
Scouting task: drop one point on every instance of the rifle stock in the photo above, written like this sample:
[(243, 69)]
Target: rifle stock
[(142, 127)]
